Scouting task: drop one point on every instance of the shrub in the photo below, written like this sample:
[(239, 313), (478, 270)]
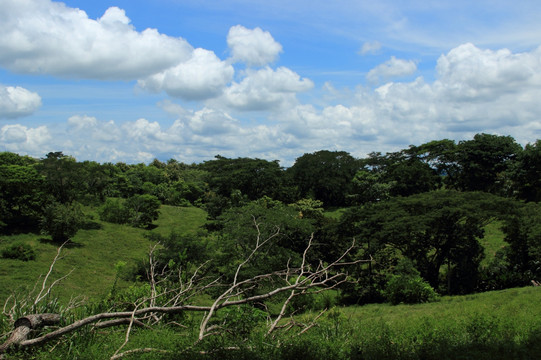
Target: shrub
[(408, 287), (61, 221), (143, 209), (19, 251), (114, 211)]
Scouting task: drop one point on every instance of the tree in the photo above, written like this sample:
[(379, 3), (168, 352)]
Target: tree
[(61, 221), (253, 177), (440, 155), (401, 173), (433, 230), (484, 163), (369, 186), (325, 176), (143, 209), (264, 218), (527, 173), (21, 195), (523, 234), (63, 178)]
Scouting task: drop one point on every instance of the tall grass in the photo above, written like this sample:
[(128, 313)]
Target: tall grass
[(494, 325)]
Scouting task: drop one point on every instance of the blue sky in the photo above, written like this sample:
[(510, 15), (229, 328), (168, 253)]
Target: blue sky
[(134, 80)]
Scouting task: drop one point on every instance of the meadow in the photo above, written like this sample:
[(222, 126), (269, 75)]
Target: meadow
[(492, 325)]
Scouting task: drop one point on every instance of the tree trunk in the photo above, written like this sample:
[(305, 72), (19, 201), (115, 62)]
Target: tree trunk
[(23, 326)]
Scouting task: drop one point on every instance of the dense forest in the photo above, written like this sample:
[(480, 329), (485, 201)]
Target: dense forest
[(403, 227)]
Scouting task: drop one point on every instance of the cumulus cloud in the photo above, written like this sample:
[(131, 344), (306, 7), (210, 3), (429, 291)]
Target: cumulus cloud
[(22, 139), (392, 68), (468, 72), (254, 47), (266, 89), (203, 76), (45, 37), (17, 102)]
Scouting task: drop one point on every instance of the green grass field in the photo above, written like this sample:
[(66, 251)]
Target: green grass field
[(92, 256), (493, 325)]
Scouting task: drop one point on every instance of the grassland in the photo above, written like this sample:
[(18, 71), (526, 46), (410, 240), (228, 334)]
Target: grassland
[(493, 325), (92, 256)]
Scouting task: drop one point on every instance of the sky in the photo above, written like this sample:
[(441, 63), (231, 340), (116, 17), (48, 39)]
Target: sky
[(134, 80)]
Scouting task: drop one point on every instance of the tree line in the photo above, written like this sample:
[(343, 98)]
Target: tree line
[(417, 213)]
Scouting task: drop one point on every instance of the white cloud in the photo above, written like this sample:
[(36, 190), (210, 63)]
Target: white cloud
[(468, 72), (370, 48), (78, 122), (254, 47), (22, 139), (17, 102), (392, 68), (266, 89), (45, 37), (203, 76)]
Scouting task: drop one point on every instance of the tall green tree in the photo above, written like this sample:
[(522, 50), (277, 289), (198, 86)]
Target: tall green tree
[(402, 173), (436, 231), (527, 173), (523, 234), (21, 194), (243, 227), (254, 178), (325, 175), (484, 163), (63, 178)]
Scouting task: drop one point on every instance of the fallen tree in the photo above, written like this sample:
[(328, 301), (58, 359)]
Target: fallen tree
[(292, 280)]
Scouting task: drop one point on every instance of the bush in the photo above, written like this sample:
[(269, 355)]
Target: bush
[(19, 251), (407, 286), (114, 211), (409, 290), (61, 221), (138, 210), (143, 209)]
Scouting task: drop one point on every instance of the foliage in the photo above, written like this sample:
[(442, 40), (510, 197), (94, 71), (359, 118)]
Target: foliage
[(262, 219), (523, 234), (19, 251), (138, 210), (527, 173), (369, 186), (61, 221), (325, 176), (143, 209), (484, 162), (21, 192), (430, 229), (406, 286), (114, 211), (252, 177)]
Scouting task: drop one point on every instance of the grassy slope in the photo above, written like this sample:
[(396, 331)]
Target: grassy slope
[(494, 325), (93, 256)]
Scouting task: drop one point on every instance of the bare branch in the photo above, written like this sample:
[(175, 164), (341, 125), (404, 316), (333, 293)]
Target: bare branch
[(40, 297), (296, 281)]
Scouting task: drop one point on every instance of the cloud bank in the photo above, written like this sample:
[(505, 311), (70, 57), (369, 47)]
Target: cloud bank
[(246, 104)]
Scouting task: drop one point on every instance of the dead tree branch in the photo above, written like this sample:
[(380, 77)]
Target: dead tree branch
[(293, 280)]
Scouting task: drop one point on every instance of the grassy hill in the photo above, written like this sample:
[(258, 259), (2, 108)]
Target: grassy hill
[(92, 256), (492, 325)]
